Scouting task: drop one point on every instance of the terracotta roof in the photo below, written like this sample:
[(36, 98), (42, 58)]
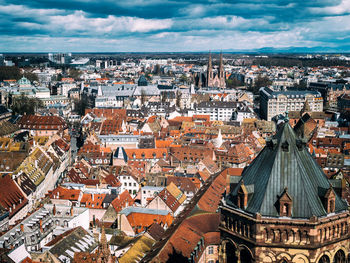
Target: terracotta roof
[(147, 153), (108, 113), (122, 201), (185, 184), (169, 199), (65, 194), (156, 231), (188, 228), (93, 200), (42, 122), (163, 143), (11, 197)]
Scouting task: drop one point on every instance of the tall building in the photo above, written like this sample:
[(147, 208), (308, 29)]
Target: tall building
[(217, 80), (284, 209), (273, 103)]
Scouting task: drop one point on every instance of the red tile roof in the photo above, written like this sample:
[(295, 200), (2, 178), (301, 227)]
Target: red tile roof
[(93, 200), (122, 201), (65, 194), (11, 197)]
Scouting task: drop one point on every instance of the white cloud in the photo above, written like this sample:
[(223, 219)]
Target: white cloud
[(78, 21), (342, 8)]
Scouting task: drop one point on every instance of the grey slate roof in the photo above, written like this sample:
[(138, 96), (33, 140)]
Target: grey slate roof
[(274, 169)]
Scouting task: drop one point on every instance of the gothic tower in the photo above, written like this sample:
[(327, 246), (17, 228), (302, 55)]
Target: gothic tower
[(210, 75), (222, 73)]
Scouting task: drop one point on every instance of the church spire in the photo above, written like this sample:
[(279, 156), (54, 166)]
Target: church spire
[(222, 73), (104, 252), (209, 71), (221, 67)]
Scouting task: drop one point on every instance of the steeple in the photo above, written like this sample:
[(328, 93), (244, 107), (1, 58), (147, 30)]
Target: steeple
[(209, 72), (221, 67), (104, 252), (222, 76), (306, 108)]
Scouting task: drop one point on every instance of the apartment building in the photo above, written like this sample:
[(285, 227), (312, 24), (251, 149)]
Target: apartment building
[(273, 103)]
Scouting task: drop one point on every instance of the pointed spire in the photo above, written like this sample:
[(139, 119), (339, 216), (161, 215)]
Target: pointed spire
[(306, 108), (104, 251), (222, 72), (209, 71)]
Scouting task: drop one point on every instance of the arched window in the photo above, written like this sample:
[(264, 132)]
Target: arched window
[(339, 257), (324, 259)]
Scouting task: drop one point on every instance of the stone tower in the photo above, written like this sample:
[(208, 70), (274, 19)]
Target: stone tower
[(222, 77), (284, 209), (210, 75)]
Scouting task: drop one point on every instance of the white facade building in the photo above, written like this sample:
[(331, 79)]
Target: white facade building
[(273, 103)]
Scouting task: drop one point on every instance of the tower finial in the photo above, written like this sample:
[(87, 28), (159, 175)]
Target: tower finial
[(286, 118)]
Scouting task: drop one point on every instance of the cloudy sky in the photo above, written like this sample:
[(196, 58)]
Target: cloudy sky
[(169, 25)]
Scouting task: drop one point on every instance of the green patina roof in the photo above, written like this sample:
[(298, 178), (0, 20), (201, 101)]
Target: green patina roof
[(24, 81), (274, 169)]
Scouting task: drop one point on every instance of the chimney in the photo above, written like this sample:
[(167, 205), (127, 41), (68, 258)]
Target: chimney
[(71, 210), (41, 226), (22, 227), (54, 210)]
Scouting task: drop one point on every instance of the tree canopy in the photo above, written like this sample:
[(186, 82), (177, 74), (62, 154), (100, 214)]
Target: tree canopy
[(25, 105)]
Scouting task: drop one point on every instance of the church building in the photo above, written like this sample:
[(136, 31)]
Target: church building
[(217, 80), (283, 209)]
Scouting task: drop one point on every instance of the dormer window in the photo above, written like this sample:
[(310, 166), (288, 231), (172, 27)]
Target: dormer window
[(329, 200), (242, 196), (285, 203), (285, 146)]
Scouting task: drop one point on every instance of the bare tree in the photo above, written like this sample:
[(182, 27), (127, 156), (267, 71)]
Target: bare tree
[(178, 98)]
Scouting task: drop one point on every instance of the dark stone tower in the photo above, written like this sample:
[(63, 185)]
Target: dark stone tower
[(284, 209)]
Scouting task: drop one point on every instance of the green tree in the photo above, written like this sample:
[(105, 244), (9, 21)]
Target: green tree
[(9, 73), (31, 76), (25, 105), (74, 73), (157, 70), (300, 86), (59, 77), (183, 79), (233, 83), (261, 81), (80, 106), (178, 98)]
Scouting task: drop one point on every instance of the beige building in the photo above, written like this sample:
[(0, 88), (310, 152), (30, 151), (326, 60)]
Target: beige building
[(273, 103)]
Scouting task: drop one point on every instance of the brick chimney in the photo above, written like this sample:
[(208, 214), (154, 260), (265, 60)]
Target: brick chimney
[(54, 210), (41, 225), (71, 210), (22, 227)]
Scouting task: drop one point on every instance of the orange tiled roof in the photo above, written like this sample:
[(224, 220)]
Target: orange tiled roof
[(140, 221), (93, 200), (158, 153), (65, 194), (163, 143), (122, 201)]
